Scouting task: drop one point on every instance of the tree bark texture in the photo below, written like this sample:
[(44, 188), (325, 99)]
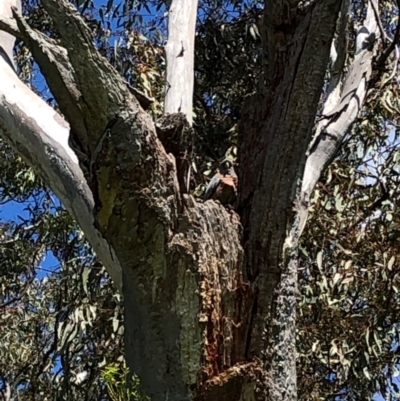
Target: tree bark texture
[(210, 297), (279, 173), (275, 134)]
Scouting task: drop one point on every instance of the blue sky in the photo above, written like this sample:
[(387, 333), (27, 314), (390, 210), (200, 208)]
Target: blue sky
[(13, 211)]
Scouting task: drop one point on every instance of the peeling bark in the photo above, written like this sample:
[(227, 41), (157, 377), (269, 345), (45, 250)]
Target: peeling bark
[(185, 300)]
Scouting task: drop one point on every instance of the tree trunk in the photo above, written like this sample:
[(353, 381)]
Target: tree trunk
[(210, 298), (278, 180)]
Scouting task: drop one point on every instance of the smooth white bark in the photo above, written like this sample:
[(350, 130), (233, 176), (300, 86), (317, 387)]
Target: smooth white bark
[(339, 113), (180, 57), (6, 40), (39, 134)]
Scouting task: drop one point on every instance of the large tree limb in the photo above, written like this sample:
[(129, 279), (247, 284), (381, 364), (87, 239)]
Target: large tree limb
[(338, 119), (40, 135), (275, 135), (101, 89), (276, 132)]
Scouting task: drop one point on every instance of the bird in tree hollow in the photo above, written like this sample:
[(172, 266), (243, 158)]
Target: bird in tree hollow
[(223, 186)]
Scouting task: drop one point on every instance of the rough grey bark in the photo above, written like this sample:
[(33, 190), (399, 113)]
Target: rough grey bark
[(278, 178), (209, 300), (297, 50)]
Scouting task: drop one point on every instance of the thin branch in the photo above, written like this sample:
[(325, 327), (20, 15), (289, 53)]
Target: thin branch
[(379, 22), (394, 70), (9, 25)]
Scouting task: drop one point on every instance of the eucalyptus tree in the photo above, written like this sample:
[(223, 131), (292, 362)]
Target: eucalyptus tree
[(209, 294)]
